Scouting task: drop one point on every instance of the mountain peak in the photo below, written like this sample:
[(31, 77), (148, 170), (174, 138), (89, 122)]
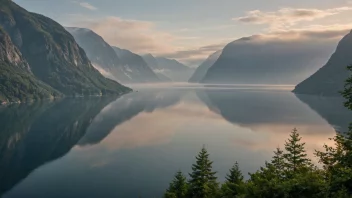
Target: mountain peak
[(149, 55), (76, 29)]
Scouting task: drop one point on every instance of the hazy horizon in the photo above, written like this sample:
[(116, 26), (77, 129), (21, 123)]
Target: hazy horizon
[(158, 27)]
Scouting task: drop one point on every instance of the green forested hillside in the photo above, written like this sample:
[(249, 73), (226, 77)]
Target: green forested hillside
[(17, 83), (53, 55)]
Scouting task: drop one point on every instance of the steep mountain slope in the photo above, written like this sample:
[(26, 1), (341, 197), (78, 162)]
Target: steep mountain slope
[(17, 83), (153, 64), (135, 66), (52, 53), (98, 51), (151, 61), (330, 79), (128, 68), (202, 70), (168, 68), (261, 60)]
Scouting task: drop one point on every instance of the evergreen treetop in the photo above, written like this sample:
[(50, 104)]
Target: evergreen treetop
[(295, 156), (203, 180), (235, 175)]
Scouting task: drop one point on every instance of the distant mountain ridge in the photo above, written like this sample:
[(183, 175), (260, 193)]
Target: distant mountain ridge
[(53, 55), (139, 69), (115, 63), (202, 69), (330, 79), (170, 68), (260, 60)]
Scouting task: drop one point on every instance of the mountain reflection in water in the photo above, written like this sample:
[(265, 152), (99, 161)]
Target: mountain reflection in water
[(132, 146)]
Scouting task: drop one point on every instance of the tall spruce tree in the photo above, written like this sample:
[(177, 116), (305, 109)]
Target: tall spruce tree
[(235, 175), (278, 163), (234, 185), (203, 182), (178, 187), (295, 155)]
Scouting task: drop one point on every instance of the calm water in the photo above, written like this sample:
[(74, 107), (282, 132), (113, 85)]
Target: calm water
[(131, 146)]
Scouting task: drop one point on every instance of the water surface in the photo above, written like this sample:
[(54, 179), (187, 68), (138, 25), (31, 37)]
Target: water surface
[(131, 146)]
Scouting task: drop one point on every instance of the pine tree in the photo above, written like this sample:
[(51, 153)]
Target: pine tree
[(235, 175), (203, 182), (278, 163), (178, 187), (296, 156), (234, 185)]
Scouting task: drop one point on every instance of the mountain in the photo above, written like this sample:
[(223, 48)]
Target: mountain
[(262, 60), (100, 53), (151, 61), (330, 79), (173, 69), (125, 67), (202, 70), (52, 53), (17, 83), (153, 64), (135, 66), (168, 68)]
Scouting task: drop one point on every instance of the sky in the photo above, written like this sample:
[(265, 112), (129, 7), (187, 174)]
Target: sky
[(191, 30)]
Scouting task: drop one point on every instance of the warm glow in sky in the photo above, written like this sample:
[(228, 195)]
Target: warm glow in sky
[(191, 30)]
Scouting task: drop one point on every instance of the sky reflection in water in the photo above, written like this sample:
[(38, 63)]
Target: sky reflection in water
[(136, 143)]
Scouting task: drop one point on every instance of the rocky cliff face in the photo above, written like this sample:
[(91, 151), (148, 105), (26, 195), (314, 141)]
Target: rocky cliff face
[(330, 79), (9, 52), (52, 53), (260, 60), (17, 83)]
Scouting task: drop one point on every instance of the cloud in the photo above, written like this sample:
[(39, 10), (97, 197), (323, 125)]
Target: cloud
[(86, 5), (285, 18), (194, 56), (135, 35), (329, 34), (146, 37), (313, 33)]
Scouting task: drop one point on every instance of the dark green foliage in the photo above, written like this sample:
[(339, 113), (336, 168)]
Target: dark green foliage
[(234, 185), (203, 180), (337, 163), (17, 85), (296, 157), (178, 187)]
